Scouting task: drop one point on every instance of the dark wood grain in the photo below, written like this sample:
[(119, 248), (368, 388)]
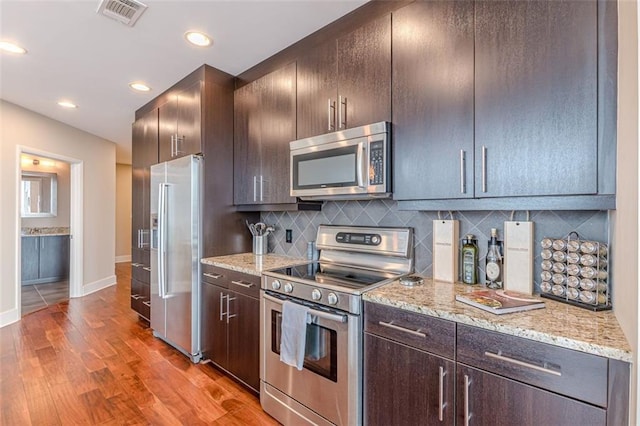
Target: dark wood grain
[(364, 74), (30, 259), (247, 141), (214, 327), (402, 385), (536, 97), (91, 361), (618, 395), (433, 65), (167, 127), (440, 335), (189, 117), (496, 401), (244, 339), (573, 381)]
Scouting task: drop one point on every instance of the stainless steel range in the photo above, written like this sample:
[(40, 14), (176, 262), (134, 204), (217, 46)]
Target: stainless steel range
[(328, 388)]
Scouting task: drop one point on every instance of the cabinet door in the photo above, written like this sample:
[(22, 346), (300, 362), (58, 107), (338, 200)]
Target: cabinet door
[(536, 98), (167, 129), (317, 91), (30, 253), (364, 74), (405, 386), (138, 151), (244, 339), (214, 325), (246, 143), (433, 101), (487, 399), (54, 257), (189, 121), (277, 129)]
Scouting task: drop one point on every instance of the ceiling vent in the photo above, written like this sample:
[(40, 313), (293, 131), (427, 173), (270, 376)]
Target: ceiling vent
[(125, 11)]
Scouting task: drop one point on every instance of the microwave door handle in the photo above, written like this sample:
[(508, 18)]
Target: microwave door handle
[(360, 159)]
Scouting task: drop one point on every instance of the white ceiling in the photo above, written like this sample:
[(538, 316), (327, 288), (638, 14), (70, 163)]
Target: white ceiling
[(76, 54)]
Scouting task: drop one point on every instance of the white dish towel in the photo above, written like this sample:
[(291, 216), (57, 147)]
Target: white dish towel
[(295, 318)]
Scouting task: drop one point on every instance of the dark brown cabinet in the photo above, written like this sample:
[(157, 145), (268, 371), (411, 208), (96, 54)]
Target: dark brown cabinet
[(180, 123), (231, 323), (346, 82), (433, 151), (44, 259), (265, 123)]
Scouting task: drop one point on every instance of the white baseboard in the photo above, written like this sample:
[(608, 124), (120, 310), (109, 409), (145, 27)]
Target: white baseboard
[(122, 259), (98, 285), (9, 317)]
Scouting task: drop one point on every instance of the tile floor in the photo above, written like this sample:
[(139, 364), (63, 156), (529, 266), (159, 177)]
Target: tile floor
[(39, 296)]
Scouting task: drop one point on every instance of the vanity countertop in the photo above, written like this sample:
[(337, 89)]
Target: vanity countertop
[(49, 231), (251, 264), (558, 323)]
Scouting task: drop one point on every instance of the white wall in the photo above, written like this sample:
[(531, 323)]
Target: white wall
[(24, 129), (123, 212), (63, 171), (624, 220)]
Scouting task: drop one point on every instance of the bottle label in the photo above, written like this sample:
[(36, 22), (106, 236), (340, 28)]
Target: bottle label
[(493, 271)]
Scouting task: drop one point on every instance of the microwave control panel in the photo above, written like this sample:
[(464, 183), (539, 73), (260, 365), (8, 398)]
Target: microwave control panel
[(376, 163)]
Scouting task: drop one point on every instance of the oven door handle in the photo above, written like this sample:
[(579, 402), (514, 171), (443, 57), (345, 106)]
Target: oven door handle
[(319, 314)]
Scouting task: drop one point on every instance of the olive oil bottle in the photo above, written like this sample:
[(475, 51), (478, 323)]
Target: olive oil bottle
[(470, 259)]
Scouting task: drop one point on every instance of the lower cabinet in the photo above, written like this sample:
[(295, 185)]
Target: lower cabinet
[(231, 323), (44, 259), (140, 282)]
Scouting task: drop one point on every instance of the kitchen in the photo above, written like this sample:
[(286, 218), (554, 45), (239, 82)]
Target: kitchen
[(304, 224)]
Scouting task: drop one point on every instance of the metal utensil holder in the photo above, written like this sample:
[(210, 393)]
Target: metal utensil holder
[(593, 281)]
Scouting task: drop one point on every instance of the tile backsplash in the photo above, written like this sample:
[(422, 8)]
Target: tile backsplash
[(593, 225)]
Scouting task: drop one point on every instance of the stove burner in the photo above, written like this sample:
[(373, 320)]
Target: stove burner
[(412, 280)]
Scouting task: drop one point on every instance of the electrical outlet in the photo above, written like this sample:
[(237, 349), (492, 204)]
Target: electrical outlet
[(288, 236)]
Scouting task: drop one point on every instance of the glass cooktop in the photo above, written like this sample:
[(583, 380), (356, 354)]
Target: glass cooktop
[(347, 277)]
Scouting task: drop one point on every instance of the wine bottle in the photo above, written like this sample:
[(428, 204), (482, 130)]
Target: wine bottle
[(493, 268)]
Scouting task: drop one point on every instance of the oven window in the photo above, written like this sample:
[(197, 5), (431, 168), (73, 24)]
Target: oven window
[(330, 168), (321, 352)]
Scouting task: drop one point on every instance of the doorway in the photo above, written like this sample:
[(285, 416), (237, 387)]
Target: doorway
[(50, 225)]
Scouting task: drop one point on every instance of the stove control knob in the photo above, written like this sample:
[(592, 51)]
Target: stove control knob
[(375, 239), (316, 295), (288, 288), (275, 285), (332, 299)]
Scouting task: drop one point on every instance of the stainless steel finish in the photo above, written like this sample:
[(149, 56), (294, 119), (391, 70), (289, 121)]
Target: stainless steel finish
[(484, 168), (403, 329), (467, 414), (175, 253), (229, 299), (397, 242), (222, 313), (331, 105), (179, 141), (287, 410), (501, 357), (342, 112), (463, 180), (261, 188), (316, 294), (147, 303), (362, 150), (147, 268), (288, 288), (243, 283), (214, 276), (136, 296), (172, 141), (276, 285), (441, 403), (255, 188), (320, 314), (137, 265)]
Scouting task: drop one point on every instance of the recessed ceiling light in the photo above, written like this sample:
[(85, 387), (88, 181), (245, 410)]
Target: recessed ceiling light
[(140, 87), (11, 47), (198, 38), (67, 104)]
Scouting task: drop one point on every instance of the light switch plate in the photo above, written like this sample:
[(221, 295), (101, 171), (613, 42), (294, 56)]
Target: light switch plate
[(518, 256), (445, 250)]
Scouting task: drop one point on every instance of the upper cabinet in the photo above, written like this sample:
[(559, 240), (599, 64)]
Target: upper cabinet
[(504, 105), (346, 82), (264, 124), (180, 123)]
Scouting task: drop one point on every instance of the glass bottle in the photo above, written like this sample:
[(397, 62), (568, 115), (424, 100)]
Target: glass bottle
[(493, 267), (469, 259)]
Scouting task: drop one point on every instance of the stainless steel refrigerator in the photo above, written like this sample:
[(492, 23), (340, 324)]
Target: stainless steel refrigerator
[(176, 249)]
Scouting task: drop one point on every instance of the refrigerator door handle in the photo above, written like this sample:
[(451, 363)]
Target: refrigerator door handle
[(162, 240)]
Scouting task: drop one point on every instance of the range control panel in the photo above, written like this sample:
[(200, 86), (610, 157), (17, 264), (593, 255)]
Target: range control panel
[(376, 163), (358, 238)]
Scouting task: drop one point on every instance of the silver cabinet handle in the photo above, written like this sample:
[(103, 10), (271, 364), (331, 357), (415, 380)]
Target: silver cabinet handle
[(406, 330), (331, 115), (136, 296), (147, 302), (173, 137), (179, 141), (261, 188), (463, 180), (147, 268), (229, 299), (139, 245), (255, 187), (360, 157), (441, 403), (501, 357), (214, 276), (144, 237), (484, 168), (342, 111), (222, 313), (467, 414), (137, 265), (243, 283)]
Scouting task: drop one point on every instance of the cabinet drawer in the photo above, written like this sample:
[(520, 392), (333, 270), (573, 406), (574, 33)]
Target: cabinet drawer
[(214, 275), (419, 331), (565, 371), (233, 280)]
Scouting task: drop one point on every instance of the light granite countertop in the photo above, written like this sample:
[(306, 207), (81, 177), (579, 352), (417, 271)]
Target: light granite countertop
[(558, 324), (49, 231), (251, 264)]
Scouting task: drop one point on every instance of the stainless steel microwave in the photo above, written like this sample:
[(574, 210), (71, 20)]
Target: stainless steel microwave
[(351, 164)]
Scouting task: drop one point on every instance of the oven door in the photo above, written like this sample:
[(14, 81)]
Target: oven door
[(330, 382)]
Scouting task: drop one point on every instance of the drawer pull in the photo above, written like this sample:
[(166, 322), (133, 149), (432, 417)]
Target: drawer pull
[(501, 357), (148, 303), (214, 276), (137, 265), (136, 296), (243, 283), (406, 330), (147, 268), (441, 403), (467, 414)]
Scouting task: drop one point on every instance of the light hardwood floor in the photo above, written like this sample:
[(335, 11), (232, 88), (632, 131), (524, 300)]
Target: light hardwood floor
[(91, 361)]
